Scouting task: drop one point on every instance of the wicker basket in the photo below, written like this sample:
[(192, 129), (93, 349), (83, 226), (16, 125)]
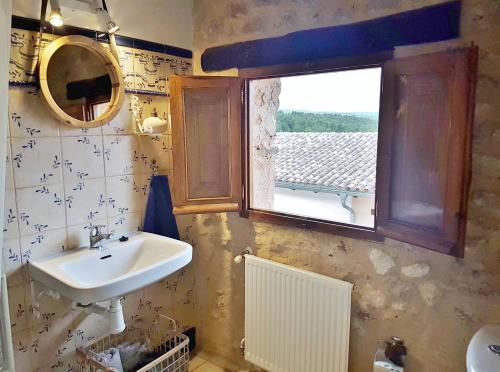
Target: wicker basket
[(172, 348)]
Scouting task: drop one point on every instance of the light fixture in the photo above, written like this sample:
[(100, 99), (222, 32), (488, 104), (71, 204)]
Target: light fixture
[(55, 18), (112, 27), (103, 14)]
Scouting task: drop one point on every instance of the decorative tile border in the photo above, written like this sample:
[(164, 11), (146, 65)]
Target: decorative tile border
[(146, 66), (30, 24)]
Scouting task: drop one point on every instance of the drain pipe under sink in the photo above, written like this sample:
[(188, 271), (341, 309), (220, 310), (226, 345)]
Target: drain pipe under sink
[(114, 313)]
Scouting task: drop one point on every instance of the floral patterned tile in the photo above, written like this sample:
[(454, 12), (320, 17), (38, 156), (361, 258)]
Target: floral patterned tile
[(65, 363), (42, 244), (125, 155), (125, 223), (22, 352), (40, 209), (89, 327), (78, 235), (36, 161), (85, 201), (12, 263), (149, 71), (123, 123), (127, 194), (18, 309), (9, 176), (132, 305), (68, 131), (29, 117), (82, 157), (44, 305), (158, 148), (51, 341), (10, 223)]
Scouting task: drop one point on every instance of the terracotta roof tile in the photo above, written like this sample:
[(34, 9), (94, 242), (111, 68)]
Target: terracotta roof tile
[(338, 161)]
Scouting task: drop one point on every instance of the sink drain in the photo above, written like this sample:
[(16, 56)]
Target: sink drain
[(495, 349)]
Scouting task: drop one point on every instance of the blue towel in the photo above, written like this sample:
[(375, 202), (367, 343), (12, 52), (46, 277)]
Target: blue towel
[(159, 218)]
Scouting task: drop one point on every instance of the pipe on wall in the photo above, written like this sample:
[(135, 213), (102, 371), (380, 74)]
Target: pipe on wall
[(352, 212)]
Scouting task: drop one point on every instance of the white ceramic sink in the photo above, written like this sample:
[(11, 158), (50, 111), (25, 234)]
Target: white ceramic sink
[(87, 275)]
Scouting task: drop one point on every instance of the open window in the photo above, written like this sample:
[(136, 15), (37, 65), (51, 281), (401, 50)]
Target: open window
[(368, 148)]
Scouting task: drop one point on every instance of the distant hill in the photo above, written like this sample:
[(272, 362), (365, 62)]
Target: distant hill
[(300, 121)]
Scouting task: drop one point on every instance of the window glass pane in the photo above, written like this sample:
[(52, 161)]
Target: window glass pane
[(313, 145)]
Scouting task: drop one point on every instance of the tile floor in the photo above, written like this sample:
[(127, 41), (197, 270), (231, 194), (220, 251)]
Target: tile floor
[(201, 363)]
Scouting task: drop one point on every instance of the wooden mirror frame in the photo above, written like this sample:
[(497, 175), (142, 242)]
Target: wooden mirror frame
[(112, 66)]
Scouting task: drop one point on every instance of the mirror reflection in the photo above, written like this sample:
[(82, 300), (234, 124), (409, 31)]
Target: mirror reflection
[(79, 82)]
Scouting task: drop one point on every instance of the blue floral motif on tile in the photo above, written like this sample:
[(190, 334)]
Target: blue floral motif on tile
[(69, 200), (13, 256), (81, 175), (18, 158), (25, 218), (58, 200), (38, 239), (40, 227)]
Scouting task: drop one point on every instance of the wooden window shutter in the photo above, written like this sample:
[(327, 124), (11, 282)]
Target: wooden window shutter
[(206, 141), (424, 158)]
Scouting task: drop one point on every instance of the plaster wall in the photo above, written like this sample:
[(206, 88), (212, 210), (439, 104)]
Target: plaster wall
[(162, 21), (433, 301)]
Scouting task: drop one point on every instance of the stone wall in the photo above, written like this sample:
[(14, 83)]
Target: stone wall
[(264, 104), (433, 301)]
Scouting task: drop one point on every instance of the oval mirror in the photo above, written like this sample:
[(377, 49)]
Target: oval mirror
[(81, 82)]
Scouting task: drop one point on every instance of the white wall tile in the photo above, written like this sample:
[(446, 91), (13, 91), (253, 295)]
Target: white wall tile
[(125, 223), (22, 352), (68, 131), (89, 327), (82, 157), (29, 117), (45, 306), (123, 123), (40, 208), (43, 244), (50, 341), (125, 155), (36, 161), (157, 148), (12, 263), (126, 194), (18, 310), (9, 176), (85, 201), (10, 221)]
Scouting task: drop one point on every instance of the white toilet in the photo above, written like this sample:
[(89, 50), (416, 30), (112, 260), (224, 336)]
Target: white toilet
[(483, 353)]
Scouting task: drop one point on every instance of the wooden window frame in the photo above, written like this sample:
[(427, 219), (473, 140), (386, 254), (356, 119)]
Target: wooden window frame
[(306, 68)]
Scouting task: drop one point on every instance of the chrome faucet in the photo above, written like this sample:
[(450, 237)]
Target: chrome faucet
[(96, 236)]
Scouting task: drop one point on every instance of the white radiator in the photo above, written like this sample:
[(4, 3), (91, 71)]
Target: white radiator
[(295, 320)]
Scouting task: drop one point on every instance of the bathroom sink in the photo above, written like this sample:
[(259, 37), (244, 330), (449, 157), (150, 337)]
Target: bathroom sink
[(91, 275)]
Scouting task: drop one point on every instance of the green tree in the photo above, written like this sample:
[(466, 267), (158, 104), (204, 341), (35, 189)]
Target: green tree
[(296, 121)]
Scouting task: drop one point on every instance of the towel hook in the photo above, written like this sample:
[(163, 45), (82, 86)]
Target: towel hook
[(239, 258)]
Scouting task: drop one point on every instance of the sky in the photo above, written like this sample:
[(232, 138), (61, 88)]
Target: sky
[(344, 91)]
